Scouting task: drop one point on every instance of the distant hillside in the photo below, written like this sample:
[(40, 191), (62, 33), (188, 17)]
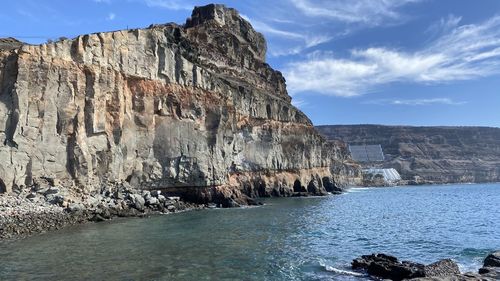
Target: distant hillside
[(429, 154)]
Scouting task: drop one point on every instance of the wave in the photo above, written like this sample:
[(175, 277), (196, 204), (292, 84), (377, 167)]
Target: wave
[(340, 271), (358, 189)]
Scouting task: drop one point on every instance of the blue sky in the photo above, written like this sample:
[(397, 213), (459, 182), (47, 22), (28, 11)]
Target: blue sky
[(408, 62)]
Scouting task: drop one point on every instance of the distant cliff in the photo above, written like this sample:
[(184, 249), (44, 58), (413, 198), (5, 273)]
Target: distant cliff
[(430, 154), (192, 109)]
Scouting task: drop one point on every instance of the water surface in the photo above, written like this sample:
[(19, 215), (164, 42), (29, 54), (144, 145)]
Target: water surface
[(286, 239)]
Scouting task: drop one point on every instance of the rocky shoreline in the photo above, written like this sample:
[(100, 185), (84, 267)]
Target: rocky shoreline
[(389, 267), (48, 206), (43, 209)]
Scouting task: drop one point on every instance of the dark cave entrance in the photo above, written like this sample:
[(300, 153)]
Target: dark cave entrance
[(297, 186), (328, 184)]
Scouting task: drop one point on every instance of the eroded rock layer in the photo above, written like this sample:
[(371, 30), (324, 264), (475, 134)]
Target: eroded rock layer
[(193, 109)]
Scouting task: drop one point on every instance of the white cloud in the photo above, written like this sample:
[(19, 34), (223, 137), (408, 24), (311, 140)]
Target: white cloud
[(465, 52), (293, 26), (444, 25), (301, 41), (285, 51), (367, 12), (169, 4), (103, 1), (299, 103), (267, 29), (111, 16), (416, 102)]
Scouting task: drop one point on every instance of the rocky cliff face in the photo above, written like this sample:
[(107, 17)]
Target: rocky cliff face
[(191, 109), (430, 154)]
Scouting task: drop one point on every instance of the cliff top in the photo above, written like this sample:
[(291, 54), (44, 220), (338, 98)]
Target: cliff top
[(215, 37), (10, 43), (218, 17), (218, 13), (405, 127)]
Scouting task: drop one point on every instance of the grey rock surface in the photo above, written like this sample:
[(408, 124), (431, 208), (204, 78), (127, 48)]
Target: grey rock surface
[(192, 110), (492, 260), (441, 268), (388, 267)]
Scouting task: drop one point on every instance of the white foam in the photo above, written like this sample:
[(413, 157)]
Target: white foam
[(358, 189), (340, 271)]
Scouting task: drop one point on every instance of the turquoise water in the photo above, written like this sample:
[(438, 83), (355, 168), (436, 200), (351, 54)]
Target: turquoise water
[(286, 239)]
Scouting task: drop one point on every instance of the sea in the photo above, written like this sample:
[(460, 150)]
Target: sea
[(311, 238)]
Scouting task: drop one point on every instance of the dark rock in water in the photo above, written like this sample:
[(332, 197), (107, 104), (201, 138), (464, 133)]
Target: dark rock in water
[(251, 202), (442, 268), (97, 218), (388, 267), (491, 266), (490, 272), (364, 261), (300, 194), (231, 204), (492, 260)]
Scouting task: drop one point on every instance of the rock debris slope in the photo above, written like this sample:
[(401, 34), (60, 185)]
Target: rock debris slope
[(191, 109)]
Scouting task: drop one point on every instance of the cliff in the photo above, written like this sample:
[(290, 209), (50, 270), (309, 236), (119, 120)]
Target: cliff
[(188, 109), (429, 154)]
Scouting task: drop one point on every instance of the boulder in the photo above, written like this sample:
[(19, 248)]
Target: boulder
[(170, 208), (490, 272), (97, 218), (75, 207), (161, 198), (492, 260), (156, 193), (54, 199), (137, 201), (442, 268), (119, 195), (491, 266), (31, 195), (388, 267), (51, 190), (152, 201)]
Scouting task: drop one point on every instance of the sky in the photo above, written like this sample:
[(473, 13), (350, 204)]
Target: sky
[(394, 62)]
